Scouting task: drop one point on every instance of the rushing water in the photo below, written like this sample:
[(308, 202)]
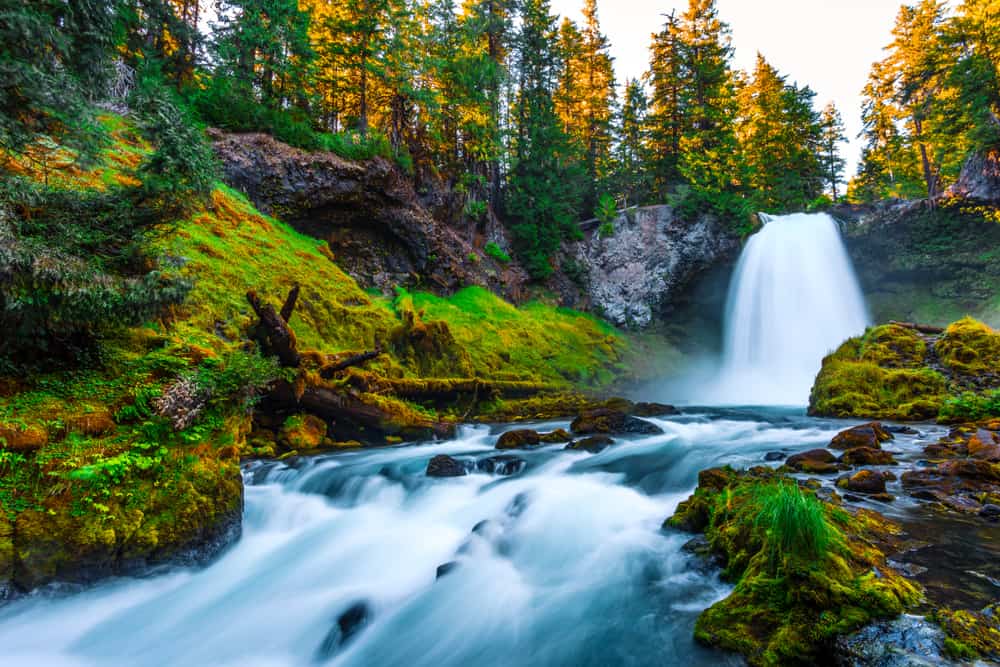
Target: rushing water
[(793, 298), (570, 568)]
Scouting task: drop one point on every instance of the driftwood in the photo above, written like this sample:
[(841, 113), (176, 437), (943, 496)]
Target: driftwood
[(349, 417), (921, 328), (272, 331), (330, 370)]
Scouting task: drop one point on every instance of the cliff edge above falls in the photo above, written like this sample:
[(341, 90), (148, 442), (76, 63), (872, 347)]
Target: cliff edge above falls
[(368, 212)]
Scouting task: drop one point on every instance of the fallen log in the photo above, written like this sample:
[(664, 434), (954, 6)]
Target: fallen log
[(330, 370), (272, 331), (921, 328)]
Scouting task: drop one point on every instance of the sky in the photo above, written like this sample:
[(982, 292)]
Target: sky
[(828, 45)]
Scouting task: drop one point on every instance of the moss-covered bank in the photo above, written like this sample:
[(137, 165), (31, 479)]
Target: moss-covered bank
[(899, 372), (129, 457)]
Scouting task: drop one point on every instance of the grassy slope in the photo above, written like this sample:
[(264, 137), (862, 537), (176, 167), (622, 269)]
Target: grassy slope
[(112, 481)]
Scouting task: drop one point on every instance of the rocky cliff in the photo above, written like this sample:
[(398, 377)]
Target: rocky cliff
[(932, 264), (377, 227), (646, 267)]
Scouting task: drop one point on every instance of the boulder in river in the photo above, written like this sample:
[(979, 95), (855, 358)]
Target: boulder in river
[(594, 444), (816, 461), (501, 465), (870, 435), (864, 481), (349, 624), (908, 641), (867, 456), (654, 410), (612, 421), (555, 437), (443, 465), (518, 439)]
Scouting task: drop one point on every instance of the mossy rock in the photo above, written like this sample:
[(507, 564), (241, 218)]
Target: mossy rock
[(971, 635), (303, 432), (969, 347), (804, 571)]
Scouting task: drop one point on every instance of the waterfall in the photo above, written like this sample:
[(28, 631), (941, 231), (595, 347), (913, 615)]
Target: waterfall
[(793, 299)]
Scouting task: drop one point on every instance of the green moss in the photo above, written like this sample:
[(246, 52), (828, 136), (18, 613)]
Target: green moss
[(804, 571), (970, 635), (969, 347)]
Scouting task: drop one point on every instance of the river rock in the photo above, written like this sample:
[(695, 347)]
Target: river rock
[(610, 420), (864, 481), (814, 461), (557, 436), (445, 568), (775, 456), (443, 465), (866, 456), (593, 444), (984, 445), (908, 641), (501, 465), (870, 435), (352, 621), (519, 439), (654, 410)]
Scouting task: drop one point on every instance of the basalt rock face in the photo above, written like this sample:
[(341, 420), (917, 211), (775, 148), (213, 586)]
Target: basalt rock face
[(376, 226), (926, 264), (643, 270), (980, 178)]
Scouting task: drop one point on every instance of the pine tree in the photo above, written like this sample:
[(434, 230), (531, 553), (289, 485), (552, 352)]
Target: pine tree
[(545, 191), (780, 137), (666, 119), (54, 57), (832, 135), (708, 147), (262, 48), (633, 171)]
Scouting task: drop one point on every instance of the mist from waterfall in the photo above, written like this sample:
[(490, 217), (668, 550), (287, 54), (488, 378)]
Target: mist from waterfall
[(793, 299)]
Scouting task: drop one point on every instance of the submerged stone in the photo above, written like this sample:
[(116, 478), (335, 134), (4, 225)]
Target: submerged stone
[(594, 444), (443, 465)]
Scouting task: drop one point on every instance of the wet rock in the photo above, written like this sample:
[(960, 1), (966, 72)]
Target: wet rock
[(557, 436), (902, 430), (349, 624), (864, 481), (593, 444), (443, 465), (611, 421), (501, 465), (775, 456), (990, 512), (969, 469), (445, 568), (518, 439), (705, 560), (882, 497), (828, 495), (984, 445), (908, 641), (870, 435), (814, 461), (866, 456), (654, 410)]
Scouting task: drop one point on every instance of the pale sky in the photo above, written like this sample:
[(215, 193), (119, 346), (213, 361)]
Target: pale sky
[(826, 44)]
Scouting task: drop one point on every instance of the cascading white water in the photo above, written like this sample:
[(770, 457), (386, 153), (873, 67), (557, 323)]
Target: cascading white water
[(793, 299)]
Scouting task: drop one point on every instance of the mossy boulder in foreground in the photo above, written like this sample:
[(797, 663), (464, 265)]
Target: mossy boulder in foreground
[(907, 373), (805, 571)]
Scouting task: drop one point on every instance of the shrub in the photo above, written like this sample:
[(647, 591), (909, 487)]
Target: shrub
[(496, 252), (606, 210), (731, 207), (971, 407), (793, 523)]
